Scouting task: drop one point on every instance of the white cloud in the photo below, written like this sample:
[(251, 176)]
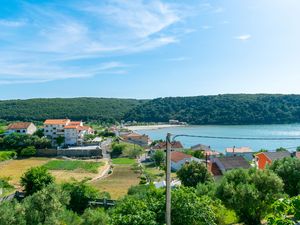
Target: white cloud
[(56, 39), (244, 37)]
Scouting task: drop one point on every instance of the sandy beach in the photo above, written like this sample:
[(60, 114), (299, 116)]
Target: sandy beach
[(152, 127)]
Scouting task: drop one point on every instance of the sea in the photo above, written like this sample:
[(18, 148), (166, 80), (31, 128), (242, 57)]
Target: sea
[(236, 131)]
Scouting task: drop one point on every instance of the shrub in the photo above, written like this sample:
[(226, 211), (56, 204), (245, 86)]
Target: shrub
[(28, 151), (36, 179)]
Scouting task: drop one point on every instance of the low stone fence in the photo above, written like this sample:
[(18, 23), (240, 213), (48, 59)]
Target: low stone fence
[(69, 152)]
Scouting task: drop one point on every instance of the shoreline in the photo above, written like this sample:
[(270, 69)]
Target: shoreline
[(152, 127)]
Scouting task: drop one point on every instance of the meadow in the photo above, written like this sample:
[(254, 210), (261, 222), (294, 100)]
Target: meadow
[(122, 178)]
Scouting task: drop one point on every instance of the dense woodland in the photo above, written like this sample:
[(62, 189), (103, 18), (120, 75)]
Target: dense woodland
[(219, 109), (87, 109)]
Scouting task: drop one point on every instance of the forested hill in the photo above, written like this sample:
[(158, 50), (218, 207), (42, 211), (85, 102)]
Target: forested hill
[(99, 109), (221, 109)]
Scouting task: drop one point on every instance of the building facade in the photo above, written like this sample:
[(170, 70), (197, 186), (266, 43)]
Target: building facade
[(22, 128), (73, 132)]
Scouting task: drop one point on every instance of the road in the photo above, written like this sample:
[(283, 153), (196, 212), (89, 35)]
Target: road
[(105, 145)]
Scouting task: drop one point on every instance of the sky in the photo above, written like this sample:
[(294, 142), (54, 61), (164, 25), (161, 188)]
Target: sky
[(148, 49)]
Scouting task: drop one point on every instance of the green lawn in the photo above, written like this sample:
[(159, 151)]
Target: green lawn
[(73, 165), (123, 161)]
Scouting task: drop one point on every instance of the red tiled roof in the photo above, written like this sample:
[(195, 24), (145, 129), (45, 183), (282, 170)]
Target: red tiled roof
[(162, 145), (178, 156), (56, 121), (74, 123), (71, 127), (19, 125)]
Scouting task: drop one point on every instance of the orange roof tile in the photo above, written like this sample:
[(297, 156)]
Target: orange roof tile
[(178, 156), (19, 125), (75, 123), (56, 121)]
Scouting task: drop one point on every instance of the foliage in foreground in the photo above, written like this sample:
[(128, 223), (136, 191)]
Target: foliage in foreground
[(35, 179), (288, 169), (285, 212), (250, 193)]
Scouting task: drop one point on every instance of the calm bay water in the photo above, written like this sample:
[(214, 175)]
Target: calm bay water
[(261, 131)]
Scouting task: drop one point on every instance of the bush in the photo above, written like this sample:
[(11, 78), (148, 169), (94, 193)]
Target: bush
[(29, 151), (36, 179), (81, 193), (6, 155), (193, 173)]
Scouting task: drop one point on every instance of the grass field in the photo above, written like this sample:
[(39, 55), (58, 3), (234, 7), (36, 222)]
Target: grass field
[(76, 165), (16, 168), (118, 183), (123, 161)]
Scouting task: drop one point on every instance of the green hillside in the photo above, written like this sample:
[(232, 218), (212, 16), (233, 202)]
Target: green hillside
[(218, 109), (221, 109), (99, 109)]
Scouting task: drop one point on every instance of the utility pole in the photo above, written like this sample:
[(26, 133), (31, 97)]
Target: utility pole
[(168, 179)]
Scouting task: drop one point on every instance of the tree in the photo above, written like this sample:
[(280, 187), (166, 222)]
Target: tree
[(28, 151), (36, 179), (39, 133), (193, 173), (250, 193), (298, 149), (158, 157), (285, 211), (95, 217), (80, 195), (60, 140), (281, 149), (188, 208), (117, 149), (132, 211), (12, 213), (288, 169), (48, 206)]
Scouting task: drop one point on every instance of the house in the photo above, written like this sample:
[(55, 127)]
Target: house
[(207, 151), (74, 134), (72, 131), (200, 147), (218, 166), (175, 146), (266, 158), (22, 128), (245, 152), (135, 138), (178, 159)]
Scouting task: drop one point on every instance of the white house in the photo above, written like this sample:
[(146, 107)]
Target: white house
[(72, 131), (22, 128), (178, 159), (74, 134)]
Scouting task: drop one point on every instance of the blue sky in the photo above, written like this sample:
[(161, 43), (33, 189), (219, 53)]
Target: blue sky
[(148, 49)]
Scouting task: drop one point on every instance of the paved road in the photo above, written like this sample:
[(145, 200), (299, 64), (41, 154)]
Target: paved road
[(105, 145)]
